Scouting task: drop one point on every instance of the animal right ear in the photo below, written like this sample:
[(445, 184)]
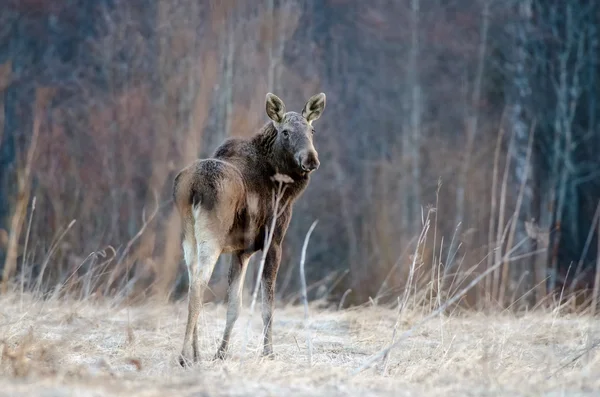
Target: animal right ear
[(275, 108)]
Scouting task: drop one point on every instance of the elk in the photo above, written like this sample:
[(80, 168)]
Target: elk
[(225, 204)]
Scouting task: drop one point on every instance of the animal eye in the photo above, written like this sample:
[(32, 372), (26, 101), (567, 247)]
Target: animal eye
[(285, 133)]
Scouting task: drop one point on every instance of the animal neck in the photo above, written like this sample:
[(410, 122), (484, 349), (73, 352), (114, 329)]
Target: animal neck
[(264, 140)]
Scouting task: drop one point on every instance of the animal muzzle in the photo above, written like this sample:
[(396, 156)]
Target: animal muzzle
[(307, 161)]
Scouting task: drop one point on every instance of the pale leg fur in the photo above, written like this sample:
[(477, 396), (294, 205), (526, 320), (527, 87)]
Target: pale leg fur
[(239, 264), (207, 251)]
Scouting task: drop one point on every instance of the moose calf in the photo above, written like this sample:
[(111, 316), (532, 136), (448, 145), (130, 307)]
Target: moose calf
[(225, 203)]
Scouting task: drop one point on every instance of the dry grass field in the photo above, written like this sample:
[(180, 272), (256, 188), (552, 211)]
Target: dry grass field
[(86, 348)]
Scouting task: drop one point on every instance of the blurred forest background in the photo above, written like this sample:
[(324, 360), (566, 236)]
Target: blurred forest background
[(485, 110)]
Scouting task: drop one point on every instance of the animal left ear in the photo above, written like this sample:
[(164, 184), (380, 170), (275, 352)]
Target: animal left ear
[(314, 107)]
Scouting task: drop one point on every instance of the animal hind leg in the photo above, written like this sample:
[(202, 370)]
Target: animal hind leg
[(200, 278), (237, 273), (207, 253), (190, 256)]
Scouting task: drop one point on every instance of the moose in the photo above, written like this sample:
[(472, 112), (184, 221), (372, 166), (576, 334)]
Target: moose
[(226, 205)]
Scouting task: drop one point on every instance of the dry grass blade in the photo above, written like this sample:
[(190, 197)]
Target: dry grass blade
[(433, 314), (79, 345)]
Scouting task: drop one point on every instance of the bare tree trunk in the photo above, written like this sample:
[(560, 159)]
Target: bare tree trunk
[(520, 276), (5, 72), (228, 74), (271, 37), (411, 145), (473, 117), (567, 86)]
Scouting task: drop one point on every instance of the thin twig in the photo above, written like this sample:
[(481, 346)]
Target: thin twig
[(433, 256), (344, 298), (304, 295), (597, 277), (386, 357)]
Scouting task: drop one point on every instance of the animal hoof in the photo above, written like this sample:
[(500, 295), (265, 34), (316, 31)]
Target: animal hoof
[(184, 361), (268, 355)]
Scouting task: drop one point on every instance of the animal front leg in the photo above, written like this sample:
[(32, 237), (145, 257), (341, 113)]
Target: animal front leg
[(268, 294)]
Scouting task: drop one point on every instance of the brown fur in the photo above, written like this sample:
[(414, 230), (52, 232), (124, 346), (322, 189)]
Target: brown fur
[(225, 203)]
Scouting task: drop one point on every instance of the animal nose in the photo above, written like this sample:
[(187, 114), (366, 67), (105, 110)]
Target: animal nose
[(308, 162)]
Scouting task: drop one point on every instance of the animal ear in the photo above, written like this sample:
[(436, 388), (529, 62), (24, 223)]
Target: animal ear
[(314, 107), (275, 108)]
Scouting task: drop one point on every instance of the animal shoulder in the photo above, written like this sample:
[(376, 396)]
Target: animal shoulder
[(234, 147), (242, 154)]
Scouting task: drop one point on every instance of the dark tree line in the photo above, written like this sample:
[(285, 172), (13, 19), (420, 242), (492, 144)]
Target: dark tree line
[(485, 110)]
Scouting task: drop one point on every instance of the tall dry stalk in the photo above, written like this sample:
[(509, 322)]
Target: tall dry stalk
[(24, 258), (411, 272), (433, 255)]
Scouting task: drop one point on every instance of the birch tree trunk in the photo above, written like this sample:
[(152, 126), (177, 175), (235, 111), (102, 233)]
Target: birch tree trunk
[(229, 51), (518, 275)]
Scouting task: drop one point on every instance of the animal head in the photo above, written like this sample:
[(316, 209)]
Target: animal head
[(294, 141)]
